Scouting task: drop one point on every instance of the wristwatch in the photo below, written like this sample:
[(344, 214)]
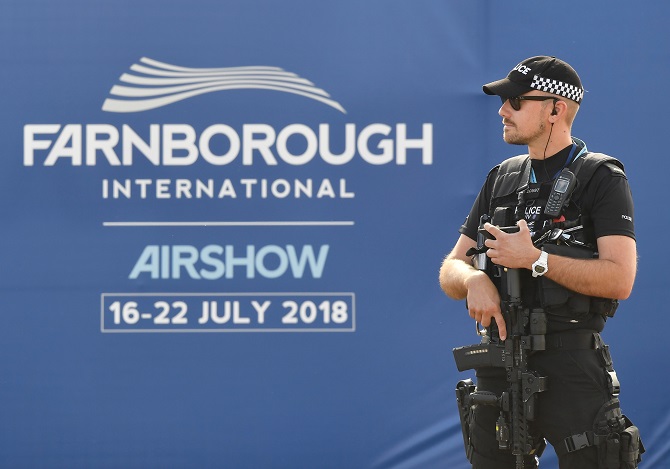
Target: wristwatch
[(540, 267)]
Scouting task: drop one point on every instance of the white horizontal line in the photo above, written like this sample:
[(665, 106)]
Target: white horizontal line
[(207, 294), (227, 223), (163, 331)]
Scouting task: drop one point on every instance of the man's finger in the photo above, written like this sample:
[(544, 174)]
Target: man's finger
[(502, 328)]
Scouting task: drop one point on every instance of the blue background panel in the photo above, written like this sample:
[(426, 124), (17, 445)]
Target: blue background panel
[(378, 396)]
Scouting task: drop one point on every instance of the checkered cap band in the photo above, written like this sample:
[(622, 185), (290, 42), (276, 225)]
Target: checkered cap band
[(557, 87)]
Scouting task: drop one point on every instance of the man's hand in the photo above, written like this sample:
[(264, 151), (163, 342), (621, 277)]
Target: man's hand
[(511, 250), (483, 302), (459, 280)]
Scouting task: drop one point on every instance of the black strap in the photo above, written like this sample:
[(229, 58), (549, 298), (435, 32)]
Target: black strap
[(572, 340), (512, 176), (577, 442), (585, 166)]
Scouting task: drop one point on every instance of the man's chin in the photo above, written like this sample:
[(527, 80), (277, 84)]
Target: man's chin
[(513, 139)]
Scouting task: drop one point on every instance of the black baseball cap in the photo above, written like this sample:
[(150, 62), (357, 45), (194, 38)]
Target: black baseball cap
[(543, 73)]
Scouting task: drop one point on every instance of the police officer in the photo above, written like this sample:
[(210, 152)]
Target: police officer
[(540, 99)]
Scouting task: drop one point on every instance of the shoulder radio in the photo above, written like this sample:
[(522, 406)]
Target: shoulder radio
[(560, 193)]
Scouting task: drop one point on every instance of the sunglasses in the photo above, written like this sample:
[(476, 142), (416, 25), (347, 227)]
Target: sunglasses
[(515, 101)]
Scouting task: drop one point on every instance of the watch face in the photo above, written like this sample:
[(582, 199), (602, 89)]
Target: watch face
[(539, 269)]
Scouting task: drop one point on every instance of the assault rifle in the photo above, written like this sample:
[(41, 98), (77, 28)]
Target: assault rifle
[(526, 329)]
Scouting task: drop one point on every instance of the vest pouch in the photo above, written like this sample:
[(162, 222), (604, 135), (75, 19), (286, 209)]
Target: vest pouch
[(608, 453), (607, 425), (558, 300), (631, 445)]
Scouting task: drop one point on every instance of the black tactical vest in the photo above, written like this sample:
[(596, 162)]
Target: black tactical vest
[(512, 190), (514, 198)]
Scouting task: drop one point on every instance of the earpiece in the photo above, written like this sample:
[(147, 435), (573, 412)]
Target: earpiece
[(554, 112)]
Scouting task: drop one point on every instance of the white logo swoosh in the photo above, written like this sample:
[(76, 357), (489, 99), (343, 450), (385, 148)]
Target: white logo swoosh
[(160, 84)]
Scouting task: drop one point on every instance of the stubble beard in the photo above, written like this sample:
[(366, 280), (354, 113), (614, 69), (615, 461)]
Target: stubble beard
[(514, 137)]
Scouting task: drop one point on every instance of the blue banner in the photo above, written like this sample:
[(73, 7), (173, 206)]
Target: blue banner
[(223, 222)]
